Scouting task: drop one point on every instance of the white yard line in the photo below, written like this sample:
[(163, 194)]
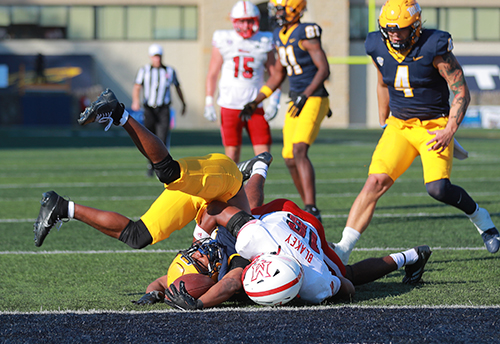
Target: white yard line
[(370, 249), (249, 309)]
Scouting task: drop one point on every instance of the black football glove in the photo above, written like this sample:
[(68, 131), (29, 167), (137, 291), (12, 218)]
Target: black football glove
[(297, 105), (330, 113), (248, 110), (181, 299), (150, 298)]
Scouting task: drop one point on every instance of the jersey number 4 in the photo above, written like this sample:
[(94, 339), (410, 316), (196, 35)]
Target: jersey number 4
[(402, 81), (247, 70)]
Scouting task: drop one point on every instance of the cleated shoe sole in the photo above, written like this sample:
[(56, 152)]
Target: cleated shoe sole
[(491, 239), (45, 220), (246, 166), (415, 271), (101, 110)]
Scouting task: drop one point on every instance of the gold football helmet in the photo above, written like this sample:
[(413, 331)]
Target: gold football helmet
[(401, 14), (292, 10), (184, 263)]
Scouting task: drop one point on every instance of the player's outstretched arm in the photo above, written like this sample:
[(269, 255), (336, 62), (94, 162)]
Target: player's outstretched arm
[(224, 289)]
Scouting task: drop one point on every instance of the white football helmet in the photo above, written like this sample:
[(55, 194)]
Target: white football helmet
[(272, 279), (245, 17)]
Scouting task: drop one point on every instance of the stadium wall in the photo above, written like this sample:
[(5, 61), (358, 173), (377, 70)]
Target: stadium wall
[(351, 87)]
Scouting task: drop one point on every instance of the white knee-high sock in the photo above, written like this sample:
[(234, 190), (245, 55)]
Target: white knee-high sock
[(350, 237)]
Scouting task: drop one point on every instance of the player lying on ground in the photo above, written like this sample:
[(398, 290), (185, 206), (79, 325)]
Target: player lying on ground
[(279, 226), (188, 187)]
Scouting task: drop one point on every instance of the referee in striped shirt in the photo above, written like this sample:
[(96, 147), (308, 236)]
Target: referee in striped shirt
[(155, 80)]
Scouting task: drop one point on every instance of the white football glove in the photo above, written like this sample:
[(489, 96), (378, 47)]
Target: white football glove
[(272, 108), (459, 152), (210, 113)]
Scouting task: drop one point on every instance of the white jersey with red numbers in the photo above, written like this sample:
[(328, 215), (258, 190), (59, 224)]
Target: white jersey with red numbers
[(242, 73), (282, 230)]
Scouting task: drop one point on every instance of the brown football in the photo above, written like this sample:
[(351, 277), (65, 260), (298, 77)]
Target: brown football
[(196, 284)]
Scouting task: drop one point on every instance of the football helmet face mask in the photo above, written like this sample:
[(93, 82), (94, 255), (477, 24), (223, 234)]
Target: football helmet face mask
[(273, 279), (186, 261), (286, 11), (245, 17), (396, 15)]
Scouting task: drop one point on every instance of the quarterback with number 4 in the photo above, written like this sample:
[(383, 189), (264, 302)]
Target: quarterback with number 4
[(416, 68), (302, 58)]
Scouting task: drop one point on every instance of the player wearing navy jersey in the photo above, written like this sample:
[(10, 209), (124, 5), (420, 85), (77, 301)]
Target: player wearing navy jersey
[(415, 68), (302, 58)]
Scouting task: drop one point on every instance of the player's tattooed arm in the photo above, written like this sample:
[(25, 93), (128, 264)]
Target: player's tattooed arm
[(452, 72)]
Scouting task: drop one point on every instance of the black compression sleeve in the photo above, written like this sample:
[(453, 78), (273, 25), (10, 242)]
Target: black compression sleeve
[(237, 221), (168, 170)]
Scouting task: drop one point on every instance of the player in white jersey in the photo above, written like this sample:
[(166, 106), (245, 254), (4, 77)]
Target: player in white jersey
[(240, 57), (285, 232), (281, 226)]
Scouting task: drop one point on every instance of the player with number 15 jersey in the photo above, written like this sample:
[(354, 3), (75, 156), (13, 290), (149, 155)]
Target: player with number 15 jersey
[(242, 72)]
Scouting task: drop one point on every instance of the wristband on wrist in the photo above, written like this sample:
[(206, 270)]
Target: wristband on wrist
[(266, 90), (209, 100), (383, 126)]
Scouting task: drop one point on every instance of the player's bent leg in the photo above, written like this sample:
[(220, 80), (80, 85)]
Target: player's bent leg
[(370, 269), (136, 235), (171, 211), (233, 152), (211, 177), (443, 191), (361, 213)]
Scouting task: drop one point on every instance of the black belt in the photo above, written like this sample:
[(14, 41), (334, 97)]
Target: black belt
[(156, 106)]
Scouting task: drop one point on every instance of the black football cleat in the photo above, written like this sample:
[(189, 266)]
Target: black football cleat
[(491, 239), (415, 271), (49, 215), (314, 211), (246, 166), (106, 109)]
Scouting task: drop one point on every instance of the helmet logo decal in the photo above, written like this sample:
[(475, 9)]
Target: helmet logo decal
[(414, 9), (261, 268)]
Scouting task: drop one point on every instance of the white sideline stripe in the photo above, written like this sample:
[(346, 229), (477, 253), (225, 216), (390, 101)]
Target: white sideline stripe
[(351, 194), (329, 216), (89, 252), (75, 185), (370, 249), (250, 309), (270, 196), (281, 181)]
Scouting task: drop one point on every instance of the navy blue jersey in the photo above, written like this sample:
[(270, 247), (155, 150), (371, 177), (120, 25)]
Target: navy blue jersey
[(416, 89), (227, 241), (297, 61)]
